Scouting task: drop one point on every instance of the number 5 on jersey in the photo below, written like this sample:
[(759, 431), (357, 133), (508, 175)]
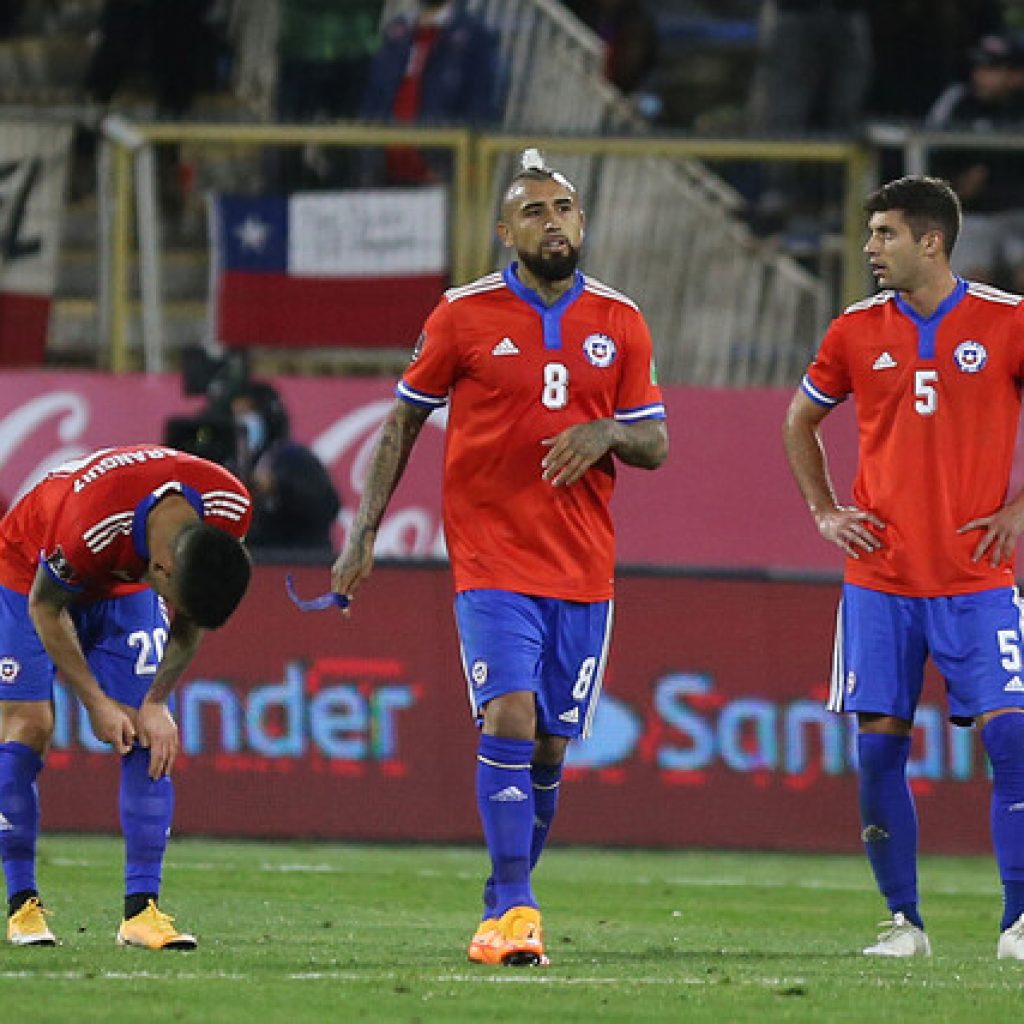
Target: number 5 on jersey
[(926, 395)]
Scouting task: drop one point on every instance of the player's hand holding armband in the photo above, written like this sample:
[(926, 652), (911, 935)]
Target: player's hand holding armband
[(159, 732), (354, 564), (848, 528), (111, 724)]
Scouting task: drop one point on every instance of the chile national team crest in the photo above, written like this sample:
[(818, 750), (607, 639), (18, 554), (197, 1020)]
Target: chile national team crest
[(970, 356), (599, 349)]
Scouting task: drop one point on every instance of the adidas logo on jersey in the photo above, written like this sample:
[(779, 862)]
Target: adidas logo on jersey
[(572, 716), (5, 825), (884, 362), (508, 795), (1014, 685), (505, 347)]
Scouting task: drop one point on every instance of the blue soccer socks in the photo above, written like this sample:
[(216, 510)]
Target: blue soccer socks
[(1003, 737), (889, 820), (504, 792), (147, 807), (547, 781), (19, 816)]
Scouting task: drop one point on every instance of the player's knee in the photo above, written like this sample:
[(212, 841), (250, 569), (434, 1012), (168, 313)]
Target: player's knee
[(1003, 737), (29, 723), (550, 749), (512, 715)]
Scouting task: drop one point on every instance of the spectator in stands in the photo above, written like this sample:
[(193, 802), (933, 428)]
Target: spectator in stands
[(990, 183), (173, 43), (920, 47), (176, 48), (630, 35), (436, 65), (10, 18), (324, 52), (813, 70), (295, 504)]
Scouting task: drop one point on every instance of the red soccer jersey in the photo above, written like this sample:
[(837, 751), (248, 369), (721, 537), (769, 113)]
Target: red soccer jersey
[(938, 402), (86, 520), (518, 372)]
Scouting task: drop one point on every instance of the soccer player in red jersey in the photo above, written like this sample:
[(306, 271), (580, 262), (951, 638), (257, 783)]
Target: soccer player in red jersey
[(549, 379), (935, 365), (90, 560)]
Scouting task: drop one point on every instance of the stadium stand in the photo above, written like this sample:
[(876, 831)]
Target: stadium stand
[(706, 334)]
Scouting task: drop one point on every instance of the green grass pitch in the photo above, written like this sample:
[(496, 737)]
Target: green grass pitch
[(301, 932)]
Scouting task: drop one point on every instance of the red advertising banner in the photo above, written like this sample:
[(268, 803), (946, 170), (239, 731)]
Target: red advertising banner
[(724, 497), (711, 731)]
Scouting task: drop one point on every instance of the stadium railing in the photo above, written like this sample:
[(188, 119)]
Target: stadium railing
[(126, 156), (726, 308)]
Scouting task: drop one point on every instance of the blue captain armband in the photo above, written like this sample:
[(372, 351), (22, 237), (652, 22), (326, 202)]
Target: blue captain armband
[(420, 398)]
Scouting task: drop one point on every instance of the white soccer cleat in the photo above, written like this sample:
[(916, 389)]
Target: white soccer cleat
[(901, 938), (1011, 942)]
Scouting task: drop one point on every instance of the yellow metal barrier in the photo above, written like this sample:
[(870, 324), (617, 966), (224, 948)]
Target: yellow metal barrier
[(455, 140), (854, 158), (474, 158)]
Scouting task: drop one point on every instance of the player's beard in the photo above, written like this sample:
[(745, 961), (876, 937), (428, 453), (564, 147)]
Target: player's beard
[(552, 266)]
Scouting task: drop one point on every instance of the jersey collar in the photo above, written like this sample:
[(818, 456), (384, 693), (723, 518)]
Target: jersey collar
[(551, 316), (927, 326), (144, 507)]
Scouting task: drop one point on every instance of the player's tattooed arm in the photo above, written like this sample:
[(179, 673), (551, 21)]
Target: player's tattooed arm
[(48, 607), (643, 444), (397, 437), (157, 728), (182, 644), (572, 452)]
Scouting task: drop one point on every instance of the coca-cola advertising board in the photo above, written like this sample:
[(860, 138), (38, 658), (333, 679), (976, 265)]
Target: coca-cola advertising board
[(724, 497)]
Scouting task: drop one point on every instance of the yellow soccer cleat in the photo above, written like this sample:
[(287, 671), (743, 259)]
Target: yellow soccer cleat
[(27, 925), (520, 939), (153, 929), (484, 944)]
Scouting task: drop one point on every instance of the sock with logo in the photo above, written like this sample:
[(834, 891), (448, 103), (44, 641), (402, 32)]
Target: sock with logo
[(504, 796), (19, 826), (546, 779), (1003, 737), (889, 820), (147, 806)]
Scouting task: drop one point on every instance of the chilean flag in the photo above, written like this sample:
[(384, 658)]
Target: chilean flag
[(360, 268)]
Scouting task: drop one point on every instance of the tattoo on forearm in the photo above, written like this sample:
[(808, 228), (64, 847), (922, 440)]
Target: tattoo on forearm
[(397, 437)]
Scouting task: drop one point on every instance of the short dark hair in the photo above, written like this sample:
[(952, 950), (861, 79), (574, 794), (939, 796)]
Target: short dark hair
[(212, 571), (928, 204)]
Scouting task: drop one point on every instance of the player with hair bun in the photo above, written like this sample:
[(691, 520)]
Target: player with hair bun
[(549, 379)]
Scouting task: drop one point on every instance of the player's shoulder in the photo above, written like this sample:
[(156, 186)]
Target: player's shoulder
[(995, 297), (482, 287), (598, 289), (873, 304)]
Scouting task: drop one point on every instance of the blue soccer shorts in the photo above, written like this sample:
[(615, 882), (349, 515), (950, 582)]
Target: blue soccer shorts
[(883, 640), (123, 640), (555, 649)]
